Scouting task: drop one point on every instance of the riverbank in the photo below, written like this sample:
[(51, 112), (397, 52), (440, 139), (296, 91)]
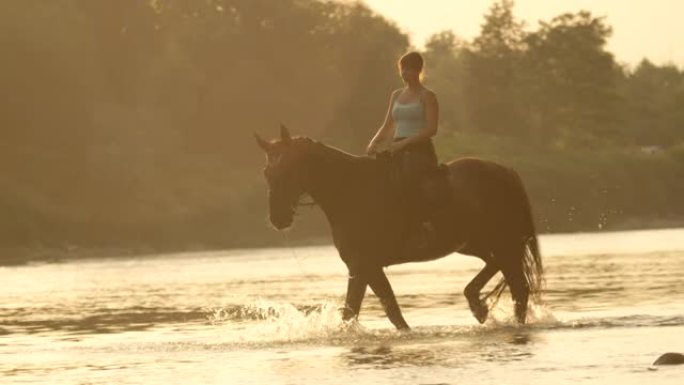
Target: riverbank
[(15, 256)]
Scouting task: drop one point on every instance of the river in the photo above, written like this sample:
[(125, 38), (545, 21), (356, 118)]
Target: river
[(614, 301)]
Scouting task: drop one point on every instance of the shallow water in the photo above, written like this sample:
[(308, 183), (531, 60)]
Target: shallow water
[(614, 302)]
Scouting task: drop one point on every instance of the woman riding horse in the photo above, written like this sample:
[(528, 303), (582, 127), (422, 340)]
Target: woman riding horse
[(411, 120), (488, 214)]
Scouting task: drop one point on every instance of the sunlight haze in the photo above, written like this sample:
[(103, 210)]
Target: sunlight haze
[(641, 28), (268, 192)]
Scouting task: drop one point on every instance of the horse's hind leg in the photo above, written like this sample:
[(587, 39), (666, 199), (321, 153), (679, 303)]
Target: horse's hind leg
[(512, 270), (472, 292), (520, 292)]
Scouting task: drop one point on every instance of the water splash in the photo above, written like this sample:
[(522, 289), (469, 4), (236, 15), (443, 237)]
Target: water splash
[(265, 323), (285, 322), (538, 314)]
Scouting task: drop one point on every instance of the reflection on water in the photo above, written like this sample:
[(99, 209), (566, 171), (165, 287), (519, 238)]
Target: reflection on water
[(386, 357), (457, 350), (520, 338)]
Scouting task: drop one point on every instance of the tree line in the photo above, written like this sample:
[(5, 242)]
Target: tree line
[(556, 85), (130, 122)]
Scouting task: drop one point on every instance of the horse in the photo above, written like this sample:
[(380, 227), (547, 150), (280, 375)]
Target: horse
[(488, 216)]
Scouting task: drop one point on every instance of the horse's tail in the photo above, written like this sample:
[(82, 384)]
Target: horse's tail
[(532, 259), (527, 259)]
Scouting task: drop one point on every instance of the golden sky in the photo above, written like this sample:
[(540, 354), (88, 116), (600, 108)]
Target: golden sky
[(641, 28)]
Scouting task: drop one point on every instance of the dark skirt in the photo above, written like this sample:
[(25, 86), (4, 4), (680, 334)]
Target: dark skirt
[(415, 167)]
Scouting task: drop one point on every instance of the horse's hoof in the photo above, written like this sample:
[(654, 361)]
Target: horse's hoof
[(670, 359), (482, 314), (479, 309), (521, 313), (347, 314)]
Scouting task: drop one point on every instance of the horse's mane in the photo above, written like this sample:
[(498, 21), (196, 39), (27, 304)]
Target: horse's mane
[(327, 152)]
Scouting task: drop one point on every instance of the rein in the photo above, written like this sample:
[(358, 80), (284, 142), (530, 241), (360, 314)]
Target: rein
[(293, 252)]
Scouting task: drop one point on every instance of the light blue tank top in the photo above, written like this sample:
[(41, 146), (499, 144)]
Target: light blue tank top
[(409, 119)]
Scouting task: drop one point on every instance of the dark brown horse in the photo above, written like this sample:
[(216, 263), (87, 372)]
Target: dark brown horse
[(488, 216)]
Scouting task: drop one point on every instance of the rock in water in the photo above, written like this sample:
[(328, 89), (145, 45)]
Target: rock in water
[(670, 359)]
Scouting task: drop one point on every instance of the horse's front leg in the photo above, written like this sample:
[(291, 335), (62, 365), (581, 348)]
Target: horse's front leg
[(356, 290), (378, 282)]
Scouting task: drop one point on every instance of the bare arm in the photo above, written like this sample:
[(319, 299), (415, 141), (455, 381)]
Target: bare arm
[(431, 120), (385, 131)]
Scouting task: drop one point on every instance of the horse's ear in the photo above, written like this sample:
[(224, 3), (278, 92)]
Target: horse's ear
[(284, 134), (261, 142)]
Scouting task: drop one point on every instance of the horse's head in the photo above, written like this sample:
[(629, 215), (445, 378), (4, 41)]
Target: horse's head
[(282, 174)]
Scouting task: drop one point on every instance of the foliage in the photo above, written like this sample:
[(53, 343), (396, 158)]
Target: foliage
[(136, 118), (493, 79), (130, 122), (570, 82), (581, 189), (653, 113)]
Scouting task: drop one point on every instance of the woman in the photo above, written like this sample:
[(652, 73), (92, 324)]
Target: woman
[(411, 121), (412, 114)]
